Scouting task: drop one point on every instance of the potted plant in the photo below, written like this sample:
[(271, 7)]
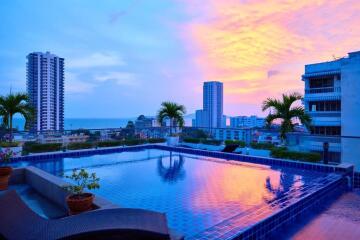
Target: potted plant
[(175, 113), (5, 171), (79, 201)]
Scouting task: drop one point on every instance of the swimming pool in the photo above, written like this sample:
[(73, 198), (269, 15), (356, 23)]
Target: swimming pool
[(198, 194)]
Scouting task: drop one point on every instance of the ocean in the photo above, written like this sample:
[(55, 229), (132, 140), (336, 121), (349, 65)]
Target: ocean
[(88, 123)]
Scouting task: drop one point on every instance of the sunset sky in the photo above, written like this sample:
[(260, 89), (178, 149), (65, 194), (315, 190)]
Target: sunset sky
[(123, 58)]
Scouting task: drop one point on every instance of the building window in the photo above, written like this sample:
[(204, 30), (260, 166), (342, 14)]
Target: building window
[(324, 106), (324, 82), (326, 131)]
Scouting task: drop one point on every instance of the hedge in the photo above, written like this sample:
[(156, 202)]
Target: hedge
[(9, 144), (265, 146), (211, 142), (156, 140), (293, 155), (31, 147), (109, 143), (131, 142), (238, 142), (79, 145), (192, 140)]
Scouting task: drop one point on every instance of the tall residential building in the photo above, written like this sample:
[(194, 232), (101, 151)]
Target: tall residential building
[(45, 87), (213, 103), (332, 99), (247, 122)]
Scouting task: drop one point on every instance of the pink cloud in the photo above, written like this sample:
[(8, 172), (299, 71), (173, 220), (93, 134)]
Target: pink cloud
[(239, 42)]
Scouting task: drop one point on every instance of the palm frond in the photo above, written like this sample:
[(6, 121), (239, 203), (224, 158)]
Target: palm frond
[(284, 111)]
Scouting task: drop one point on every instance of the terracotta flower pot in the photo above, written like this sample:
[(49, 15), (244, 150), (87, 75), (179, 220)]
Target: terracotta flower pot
[(5, 173), (79, 203)]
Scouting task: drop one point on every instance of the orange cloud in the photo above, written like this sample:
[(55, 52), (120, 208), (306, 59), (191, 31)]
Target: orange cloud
[(240, 42)]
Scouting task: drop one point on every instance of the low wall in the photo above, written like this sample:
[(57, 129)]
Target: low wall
[(50, 186)]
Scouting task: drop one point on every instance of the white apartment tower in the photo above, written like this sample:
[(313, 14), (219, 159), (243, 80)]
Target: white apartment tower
[(332, 99), (213, 103), (45, 87)]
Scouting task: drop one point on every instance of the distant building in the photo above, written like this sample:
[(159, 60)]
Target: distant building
[(213, 103), (144, 122), (332, 99), (64, 139), (247, 122), (211, 116), (233, 134), (45, 87), (201, 118)]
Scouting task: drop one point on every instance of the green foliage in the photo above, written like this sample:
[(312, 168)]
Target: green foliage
[(265, 146), (192, 140), (79, 145), (82, 180), (15, 103), (131, 142), (31, 147), (9, 144), (284, 112), (204, 141), (211, 142), (194, 133), (293, 155), (238, 142), (5, 156), (156, 140), (172, 111), (109, 143)]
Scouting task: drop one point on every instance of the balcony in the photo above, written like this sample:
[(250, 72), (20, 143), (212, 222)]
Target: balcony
[(327, 114), (325, 93), (322, 90)]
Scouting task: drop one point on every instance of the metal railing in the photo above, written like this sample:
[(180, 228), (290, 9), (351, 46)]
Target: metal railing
[(322, 90)]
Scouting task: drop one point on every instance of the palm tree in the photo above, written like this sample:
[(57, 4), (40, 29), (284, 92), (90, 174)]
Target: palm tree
[(172, 111), (13, 104), (287, 114)]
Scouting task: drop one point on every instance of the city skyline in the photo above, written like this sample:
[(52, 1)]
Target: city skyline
[(125, 50)]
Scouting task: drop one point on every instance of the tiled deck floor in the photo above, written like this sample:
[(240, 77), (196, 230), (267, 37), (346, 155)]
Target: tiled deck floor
[(339, 220)]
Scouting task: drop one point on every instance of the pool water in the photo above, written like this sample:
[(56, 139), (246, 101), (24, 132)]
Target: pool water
[(195, 192)]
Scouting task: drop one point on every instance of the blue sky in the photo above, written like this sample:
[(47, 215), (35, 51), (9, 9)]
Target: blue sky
[(122, 58)]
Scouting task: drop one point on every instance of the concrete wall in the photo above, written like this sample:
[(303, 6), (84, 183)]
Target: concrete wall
[(350, 110)]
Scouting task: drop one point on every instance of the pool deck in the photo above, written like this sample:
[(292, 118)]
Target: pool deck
[(339, 219)]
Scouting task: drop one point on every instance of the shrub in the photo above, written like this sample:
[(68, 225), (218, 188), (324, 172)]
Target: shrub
[(109, 144), (131, 142), (156, 140), (31, 147), (79, 145), (238, 142), (293, 155), (82, 180), (265, 146), (9, 144), (211, 142), (192, 140)]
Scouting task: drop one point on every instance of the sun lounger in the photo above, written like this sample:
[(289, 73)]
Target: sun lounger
[(18, 221)]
